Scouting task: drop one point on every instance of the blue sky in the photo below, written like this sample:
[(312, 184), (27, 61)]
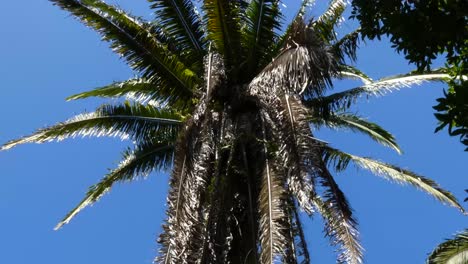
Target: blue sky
[(45, 55)]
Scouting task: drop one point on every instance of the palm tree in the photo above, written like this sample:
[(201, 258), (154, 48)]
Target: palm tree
[(226, 98), (452, 251)]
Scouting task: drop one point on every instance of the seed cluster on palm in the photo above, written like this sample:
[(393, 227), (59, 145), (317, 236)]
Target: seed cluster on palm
[(226, 97)]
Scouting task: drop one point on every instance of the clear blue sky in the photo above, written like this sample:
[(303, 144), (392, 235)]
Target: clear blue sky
[(45, 55)]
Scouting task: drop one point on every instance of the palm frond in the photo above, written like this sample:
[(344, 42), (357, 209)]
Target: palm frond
[(140, 161), (262, 22), (191, 173), (299, 152), (134, 41), (301, 251), (343, 100), (137, 89), (452, 251), (178, 19), (305, 67), (223, 29), (358, 124), (136, 121), (340, 224), (347, 46), (288, 33), (350, 72), (271, 209), (326, 23), (396, 174)]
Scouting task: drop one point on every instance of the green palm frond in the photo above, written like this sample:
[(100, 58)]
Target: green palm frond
[(452, 251), (178, 19), (140, 161), (340, 224), (137, 89), (135, 121), (393, 173), (347, 46), (326, 23), (343, 100), (351, 72), (223, 29), (134, 41), (358, 124), (260, 33)]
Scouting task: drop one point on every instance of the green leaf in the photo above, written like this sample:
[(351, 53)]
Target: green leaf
[(178, 19)]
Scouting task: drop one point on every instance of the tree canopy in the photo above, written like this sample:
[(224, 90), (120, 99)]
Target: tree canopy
[(424, 31)]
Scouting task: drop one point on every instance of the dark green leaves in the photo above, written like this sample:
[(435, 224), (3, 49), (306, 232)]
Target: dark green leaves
[(137, 43), (262, 23), (179, 20), (223, 23), (454, 250)]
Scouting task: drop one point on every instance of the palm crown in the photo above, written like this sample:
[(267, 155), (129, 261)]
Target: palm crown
[(226, 97)]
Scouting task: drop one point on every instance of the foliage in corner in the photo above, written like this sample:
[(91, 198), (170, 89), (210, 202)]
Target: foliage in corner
[(424, 31)]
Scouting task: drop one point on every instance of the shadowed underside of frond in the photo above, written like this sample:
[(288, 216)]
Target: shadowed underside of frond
[(135, 121), (452, 251)]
